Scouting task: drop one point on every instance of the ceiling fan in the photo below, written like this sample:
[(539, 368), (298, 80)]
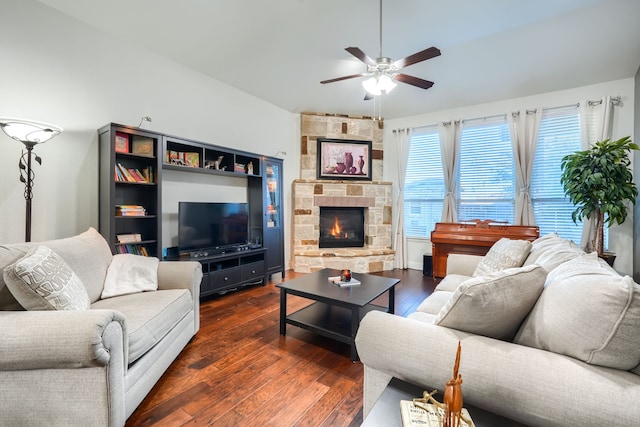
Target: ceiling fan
[(383, 71)]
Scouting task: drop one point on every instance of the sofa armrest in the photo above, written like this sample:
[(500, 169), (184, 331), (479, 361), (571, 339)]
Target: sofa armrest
[(403, 347), (182, 275), (463, 264), (60, 339)]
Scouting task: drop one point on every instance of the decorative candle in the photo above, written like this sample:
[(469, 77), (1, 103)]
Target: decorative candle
[(345, 275)]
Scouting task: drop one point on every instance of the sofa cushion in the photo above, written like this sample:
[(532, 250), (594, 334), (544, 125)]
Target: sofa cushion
[(87, 254), (451, 282), (434, 302), (539, 245), (128, 274), (552, 250), (41, 280), (149, 316), (505, 253), (559, 254), (494, 305), (587, 312)]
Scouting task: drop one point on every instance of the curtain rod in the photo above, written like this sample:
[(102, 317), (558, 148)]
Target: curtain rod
[(615, 100), (485, 118)]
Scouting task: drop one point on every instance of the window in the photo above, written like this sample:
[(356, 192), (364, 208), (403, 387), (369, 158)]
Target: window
[(486, 176), (424, 183), (559, 135)]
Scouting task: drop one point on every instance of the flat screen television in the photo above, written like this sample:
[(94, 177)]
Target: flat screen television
[(205, 226)]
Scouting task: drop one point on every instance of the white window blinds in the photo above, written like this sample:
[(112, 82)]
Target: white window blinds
[(559, 135), (424, 183), (486, 179)]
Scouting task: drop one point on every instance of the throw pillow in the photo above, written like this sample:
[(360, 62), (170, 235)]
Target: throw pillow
[(588, 312), (505, 253), (494, 305), (42, 280), (128, 274)]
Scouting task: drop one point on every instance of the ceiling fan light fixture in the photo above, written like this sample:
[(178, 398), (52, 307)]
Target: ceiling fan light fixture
[(376, 85)]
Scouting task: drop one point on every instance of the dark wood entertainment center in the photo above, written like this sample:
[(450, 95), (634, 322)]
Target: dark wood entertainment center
[(130, 177)]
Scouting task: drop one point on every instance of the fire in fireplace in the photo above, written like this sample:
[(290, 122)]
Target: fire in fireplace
[(341, 227)]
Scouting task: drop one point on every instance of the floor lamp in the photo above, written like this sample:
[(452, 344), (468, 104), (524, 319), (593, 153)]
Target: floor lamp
[(30, 134)]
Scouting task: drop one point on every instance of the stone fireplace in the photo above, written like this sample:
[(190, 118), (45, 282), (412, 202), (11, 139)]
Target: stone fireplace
[(311, 196)]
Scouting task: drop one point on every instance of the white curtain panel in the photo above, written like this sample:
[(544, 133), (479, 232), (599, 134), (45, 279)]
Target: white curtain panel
[(595, 125), (402, 138), (524, 127), (450, 147)]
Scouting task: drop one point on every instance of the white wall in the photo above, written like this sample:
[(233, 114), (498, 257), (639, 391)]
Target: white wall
[(58, 70), (620, 238)]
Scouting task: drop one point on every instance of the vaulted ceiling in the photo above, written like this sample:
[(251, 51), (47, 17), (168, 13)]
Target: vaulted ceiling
[(280, 50)]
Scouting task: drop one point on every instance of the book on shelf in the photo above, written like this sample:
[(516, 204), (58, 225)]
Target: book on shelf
[(192, 159), (148, 174), (118, 175), (336, 280), (129, 238), (137, 175), (123, 174), (414, 416), (121, 142), (130, 210), (132, 249)]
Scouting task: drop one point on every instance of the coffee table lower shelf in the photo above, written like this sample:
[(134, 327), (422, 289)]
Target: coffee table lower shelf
[(330, 320), (386, 410)]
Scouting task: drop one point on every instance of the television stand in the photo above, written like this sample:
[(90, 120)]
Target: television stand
[(232, 269)]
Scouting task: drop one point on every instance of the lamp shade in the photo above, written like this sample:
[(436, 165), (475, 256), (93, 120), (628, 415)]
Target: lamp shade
[(29, 132), (377, 84)]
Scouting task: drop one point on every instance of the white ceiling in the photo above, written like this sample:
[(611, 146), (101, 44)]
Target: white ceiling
[(280, 50)]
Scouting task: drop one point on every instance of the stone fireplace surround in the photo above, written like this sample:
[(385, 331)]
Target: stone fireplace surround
[(309, 194)]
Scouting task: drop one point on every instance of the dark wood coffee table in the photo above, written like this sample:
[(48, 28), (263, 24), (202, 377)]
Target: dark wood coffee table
[(337, 311)]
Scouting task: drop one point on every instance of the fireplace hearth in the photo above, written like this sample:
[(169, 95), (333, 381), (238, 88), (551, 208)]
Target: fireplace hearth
[(341, 227)]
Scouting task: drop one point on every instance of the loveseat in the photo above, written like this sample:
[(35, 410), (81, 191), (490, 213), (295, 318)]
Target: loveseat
[(551, 340), (98, 332)]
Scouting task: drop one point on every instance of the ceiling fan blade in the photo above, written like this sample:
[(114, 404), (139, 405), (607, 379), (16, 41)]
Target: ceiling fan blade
[(423, 55), (355, 51), (337, 79), (414, 81)]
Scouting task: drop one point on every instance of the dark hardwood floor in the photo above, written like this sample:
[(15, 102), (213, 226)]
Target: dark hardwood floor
[(239, 371)]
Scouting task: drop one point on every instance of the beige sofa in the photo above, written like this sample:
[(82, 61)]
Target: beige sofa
[(88, 367), (554, 342)]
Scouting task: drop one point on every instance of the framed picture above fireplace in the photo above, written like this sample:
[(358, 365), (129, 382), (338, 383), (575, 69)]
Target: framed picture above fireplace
[(344, 159)]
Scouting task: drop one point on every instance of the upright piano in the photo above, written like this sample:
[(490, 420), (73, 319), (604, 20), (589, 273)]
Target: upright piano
[(473, 237)]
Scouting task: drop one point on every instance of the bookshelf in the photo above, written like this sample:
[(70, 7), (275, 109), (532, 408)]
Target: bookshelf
[(130, 177), (192, 156), (130, 171), (266, 194)]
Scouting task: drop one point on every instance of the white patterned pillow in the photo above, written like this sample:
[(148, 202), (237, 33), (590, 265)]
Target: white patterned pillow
[(505, 253), (42, 280)]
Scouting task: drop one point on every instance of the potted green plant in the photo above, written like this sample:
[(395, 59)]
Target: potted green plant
[(599, 182)]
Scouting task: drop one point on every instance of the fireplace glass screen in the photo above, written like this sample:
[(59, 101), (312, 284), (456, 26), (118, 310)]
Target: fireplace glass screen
[(341, 227)]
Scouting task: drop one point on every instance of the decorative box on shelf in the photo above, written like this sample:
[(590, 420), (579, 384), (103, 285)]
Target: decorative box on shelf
[(142, 146)]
